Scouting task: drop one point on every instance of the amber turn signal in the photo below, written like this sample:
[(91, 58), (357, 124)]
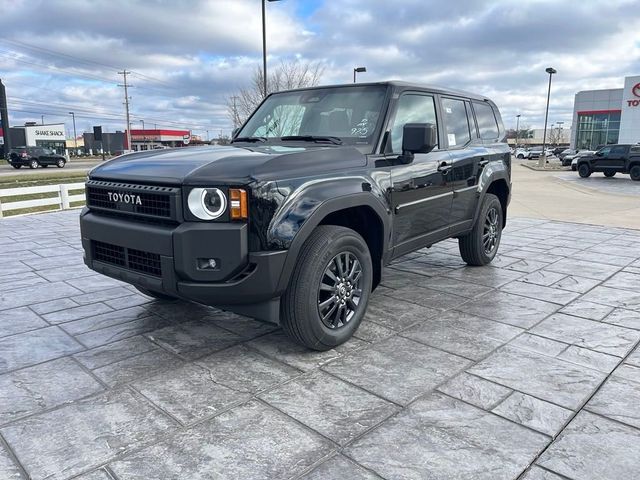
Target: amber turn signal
[(239, 205)]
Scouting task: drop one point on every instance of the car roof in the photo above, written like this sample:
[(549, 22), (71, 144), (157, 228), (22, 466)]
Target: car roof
[(401, 85)]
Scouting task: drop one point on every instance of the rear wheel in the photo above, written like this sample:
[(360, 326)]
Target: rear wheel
[(635, 173), (480, 245), (33, 164), (60, 163), (154, 294), (609, 173), (521, 156), (584, 170), (329, 289)]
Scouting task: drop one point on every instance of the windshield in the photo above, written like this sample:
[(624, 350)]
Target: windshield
[(347, 115)]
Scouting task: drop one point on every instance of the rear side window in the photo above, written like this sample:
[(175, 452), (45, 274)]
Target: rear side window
[(620, 149), (487, 124), (456, 121)]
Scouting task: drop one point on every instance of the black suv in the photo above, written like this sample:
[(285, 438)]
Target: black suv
[(34, 157), (611, 159), (293, 222)]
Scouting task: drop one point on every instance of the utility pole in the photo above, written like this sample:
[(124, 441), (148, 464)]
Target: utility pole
[(124, 74), (235, 112), (517, 131), (543, 157), (75, 135), (42, 117)]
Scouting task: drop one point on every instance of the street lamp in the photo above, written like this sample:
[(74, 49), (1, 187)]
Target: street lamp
[(517, 131), (264, 47), (75, 135), (543, 155), (358, 70)]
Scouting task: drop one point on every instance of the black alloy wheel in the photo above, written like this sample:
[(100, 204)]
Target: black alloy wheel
[(33, 164), (490, 232), (480, 245), (635, 173), (329, 288), (584, 170), (340, 290)]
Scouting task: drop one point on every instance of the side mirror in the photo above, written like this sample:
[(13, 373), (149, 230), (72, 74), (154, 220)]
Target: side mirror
[(418, 138)]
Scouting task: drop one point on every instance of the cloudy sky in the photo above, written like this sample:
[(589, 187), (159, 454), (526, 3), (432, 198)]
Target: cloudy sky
[(189, 56)]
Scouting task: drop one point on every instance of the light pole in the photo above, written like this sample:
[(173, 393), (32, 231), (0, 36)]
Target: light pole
[(358, 70), (75, 135), (560, 132), (42, 117), (517, 131), (543, 155), (264, 48)]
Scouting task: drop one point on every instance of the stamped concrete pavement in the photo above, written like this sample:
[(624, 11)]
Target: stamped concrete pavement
[(526, 369)]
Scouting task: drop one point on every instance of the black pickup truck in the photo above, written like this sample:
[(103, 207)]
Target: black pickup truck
[(612, 159), (294, 221)]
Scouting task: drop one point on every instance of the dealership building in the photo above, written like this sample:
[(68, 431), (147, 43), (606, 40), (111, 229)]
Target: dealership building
[(603, 117)]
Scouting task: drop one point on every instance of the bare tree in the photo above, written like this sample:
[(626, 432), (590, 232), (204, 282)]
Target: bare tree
[(287, 75)]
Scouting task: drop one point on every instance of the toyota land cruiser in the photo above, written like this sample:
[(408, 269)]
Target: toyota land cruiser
[(294, 221)]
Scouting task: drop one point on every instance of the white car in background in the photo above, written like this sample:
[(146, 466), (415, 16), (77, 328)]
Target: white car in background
[(576, 157), (522, 153)]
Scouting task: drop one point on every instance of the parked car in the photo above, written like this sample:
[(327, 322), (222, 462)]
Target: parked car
[(612, 159), (34, 157), (293, 222), (580, 154), (568, 152), (535, 152), (522, 153), (557, 150)]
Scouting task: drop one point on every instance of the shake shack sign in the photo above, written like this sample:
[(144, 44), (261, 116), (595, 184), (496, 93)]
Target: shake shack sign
[(50, 133)]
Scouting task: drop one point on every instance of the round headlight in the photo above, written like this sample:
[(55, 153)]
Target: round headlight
[(207, 203)]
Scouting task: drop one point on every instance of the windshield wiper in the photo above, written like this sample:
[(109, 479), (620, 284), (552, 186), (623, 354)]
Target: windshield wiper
[(312, 138), (249, 139)]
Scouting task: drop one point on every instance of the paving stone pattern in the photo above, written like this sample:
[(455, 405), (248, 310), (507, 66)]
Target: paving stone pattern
[(526, 369)]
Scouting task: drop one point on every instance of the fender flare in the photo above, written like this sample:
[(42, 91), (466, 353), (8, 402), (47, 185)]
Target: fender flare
[(361, 199), (487, 179)]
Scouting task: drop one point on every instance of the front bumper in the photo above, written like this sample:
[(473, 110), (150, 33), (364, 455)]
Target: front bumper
[(244, 282)]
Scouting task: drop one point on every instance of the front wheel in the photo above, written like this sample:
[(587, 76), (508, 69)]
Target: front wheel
[(609, 173), (480, 245), (520, 156), (33, 164), (60, 163), (635, 173), (584, 171), (329, 289)]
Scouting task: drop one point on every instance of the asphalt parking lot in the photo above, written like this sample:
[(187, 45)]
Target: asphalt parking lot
[(518, 370)]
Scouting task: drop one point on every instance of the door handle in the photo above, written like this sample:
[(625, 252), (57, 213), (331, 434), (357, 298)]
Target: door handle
[(444, 168)]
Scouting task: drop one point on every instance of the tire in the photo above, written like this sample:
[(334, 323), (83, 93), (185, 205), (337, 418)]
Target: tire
[(480, 246), (635, 173), (17, 167), (154, 294), (61, 163), (33, 164), (609, 173), (584, 170), (520, 156), (327, 249)]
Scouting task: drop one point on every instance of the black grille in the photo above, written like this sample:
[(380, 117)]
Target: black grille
[(131, 199), (113, 254), (132, 259)]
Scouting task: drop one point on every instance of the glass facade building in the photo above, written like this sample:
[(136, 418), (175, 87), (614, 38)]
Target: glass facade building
[(597, 128)]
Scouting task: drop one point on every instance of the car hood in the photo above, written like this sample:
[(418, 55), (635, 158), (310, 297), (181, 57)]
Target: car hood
[(227, 164)]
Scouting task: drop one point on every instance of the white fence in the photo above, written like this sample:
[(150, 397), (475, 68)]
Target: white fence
[(62, 200)]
